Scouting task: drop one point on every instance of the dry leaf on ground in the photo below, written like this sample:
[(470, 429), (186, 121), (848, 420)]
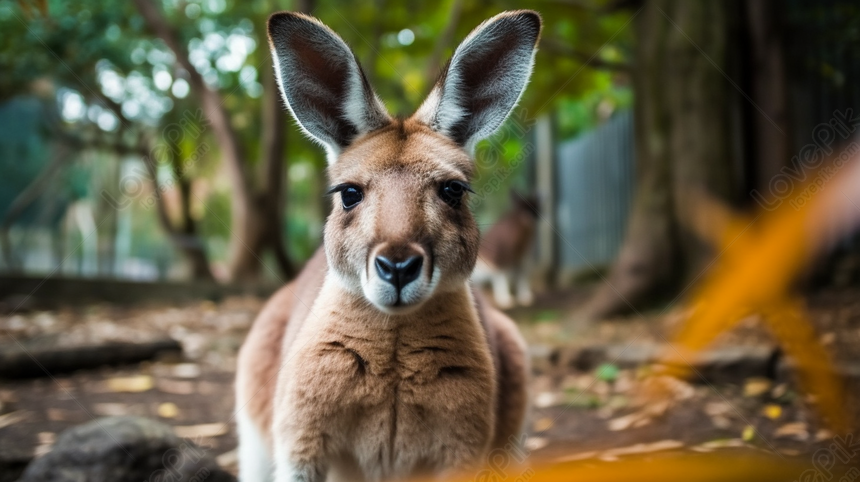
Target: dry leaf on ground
[(201, 430), (644, 448), (168, 410), (797, 430), (13, 418), (757, 386), (135, 384)]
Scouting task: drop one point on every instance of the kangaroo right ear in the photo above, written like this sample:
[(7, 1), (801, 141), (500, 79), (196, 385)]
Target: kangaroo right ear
[(322, 83), (484, 79)]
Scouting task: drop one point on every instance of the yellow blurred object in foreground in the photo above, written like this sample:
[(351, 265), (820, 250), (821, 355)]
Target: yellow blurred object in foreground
[(759, 260)]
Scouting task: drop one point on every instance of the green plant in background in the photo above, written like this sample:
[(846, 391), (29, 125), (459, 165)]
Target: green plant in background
[(118, 88)]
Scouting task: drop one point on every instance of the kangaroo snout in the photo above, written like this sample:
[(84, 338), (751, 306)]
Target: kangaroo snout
[(395, 276), (399, 273)]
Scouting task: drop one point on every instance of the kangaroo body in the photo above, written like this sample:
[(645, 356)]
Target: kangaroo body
[(378, 362), (504, 254), (399, 396)]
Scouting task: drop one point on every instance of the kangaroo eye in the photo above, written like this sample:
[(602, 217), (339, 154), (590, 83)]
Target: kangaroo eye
[(350, 196), (452, 192)]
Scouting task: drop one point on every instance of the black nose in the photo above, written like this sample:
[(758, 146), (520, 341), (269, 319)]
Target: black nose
[(401, 273)]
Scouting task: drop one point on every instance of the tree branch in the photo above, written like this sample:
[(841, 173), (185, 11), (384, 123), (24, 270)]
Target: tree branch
[(212, 103)]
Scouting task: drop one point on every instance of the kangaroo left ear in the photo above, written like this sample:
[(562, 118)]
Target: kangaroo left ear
[(484, 79), (322, 82)]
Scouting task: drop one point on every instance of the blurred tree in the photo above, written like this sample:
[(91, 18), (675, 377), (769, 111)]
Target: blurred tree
[(78, 57), (692, 144), (257, 197), (124, 75)]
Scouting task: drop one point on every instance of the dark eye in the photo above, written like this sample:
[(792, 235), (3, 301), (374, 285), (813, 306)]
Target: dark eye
[(350, 196), (452, 192)]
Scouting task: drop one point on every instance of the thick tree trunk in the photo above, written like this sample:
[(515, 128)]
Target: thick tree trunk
[(683, 109)]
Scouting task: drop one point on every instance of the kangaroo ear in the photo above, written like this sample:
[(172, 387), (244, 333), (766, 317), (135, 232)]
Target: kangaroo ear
[(484, 79), (322, 83)]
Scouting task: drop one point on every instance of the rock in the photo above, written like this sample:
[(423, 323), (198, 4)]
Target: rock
[(119, 449)]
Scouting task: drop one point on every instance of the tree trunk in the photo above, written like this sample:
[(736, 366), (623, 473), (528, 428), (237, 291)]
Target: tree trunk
[(189, 239), (184, 238), (256, 214), (769, 116), (684, 149), (263, 222)]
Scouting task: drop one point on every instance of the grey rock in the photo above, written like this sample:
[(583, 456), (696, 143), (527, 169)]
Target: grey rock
[(119, 449)]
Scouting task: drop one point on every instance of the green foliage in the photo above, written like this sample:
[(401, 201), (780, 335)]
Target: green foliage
[(98, 55)]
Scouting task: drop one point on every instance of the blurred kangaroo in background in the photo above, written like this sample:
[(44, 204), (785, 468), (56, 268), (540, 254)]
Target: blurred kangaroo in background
[(379, 362), (504, 255)]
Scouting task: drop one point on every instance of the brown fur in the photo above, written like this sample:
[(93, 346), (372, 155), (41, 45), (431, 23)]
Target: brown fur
[(506, 243), (379, 362), (346, 372)]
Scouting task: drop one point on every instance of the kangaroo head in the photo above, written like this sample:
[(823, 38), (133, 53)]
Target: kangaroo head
[(400, 230)]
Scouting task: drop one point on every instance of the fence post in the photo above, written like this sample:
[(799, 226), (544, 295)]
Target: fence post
[(546, 184)]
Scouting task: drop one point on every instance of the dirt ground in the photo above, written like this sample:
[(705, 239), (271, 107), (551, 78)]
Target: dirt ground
[(578, 411)]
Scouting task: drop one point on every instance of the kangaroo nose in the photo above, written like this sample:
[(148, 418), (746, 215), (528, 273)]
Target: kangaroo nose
[(400, 273)]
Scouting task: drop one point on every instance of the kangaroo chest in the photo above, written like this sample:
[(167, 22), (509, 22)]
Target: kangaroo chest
[(394, 399)]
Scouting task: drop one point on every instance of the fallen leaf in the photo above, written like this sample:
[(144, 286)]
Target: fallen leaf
[(168, 410), (13, 418), (624, 382), (617, 401), (8, 396), (772, 411), (757, 386), (748, 434), (543, 424), (546, 399), (575, 457), (112, 409), (46, 441), (535, 443), (623, 423), (135, 384), (795, 429), (228, 459), (640, 418), (642, 448), (176, 387), (201, 430), (63, 415), (720, 421), (209, 388), (717, 408), (186, 370), (719, 444), (779, 391)]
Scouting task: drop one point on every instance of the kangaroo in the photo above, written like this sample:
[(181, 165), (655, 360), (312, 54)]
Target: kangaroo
[(379, 362), (504, 253)]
